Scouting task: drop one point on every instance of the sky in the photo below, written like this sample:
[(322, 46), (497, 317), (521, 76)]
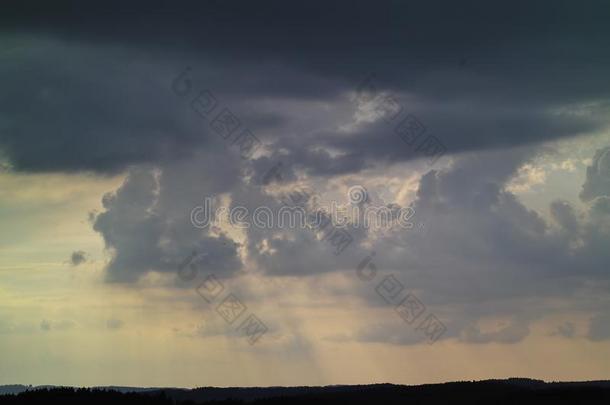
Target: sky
[(484, 126)]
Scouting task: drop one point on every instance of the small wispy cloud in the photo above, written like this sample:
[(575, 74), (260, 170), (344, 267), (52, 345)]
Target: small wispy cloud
[(114, 324), (78, 257)]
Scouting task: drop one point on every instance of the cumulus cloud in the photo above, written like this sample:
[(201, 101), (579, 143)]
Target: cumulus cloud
[(145, 234), (484, 254)]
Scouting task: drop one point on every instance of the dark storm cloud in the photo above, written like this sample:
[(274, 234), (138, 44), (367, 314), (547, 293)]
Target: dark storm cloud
[(69, 108), (426, 35), (460, 127), (89, 89)]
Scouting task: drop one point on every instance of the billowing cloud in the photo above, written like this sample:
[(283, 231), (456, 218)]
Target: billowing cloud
[(146, 230)]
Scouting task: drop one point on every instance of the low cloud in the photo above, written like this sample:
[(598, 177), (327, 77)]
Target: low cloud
[(78, 257), (599, 327), (114, 324), (514, 332), (566, 330)]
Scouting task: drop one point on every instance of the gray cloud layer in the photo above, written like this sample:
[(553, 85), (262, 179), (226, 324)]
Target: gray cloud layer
[(87, 90)]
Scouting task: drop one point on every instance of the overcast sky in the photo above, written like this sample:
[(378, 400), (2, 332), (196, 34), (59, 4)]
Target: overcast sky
[(488, 121)]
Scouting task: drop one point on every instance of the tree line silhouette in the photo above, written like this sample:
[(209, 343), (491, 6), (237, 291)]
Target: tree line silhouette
[(496, 392)]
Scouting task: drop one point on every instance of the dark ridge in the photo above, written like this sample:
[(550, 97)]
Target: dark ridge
[(511, 391)]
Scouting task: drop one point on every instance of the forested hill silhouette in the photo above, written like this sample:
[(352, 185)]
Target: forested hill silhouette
[(496, 392)]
